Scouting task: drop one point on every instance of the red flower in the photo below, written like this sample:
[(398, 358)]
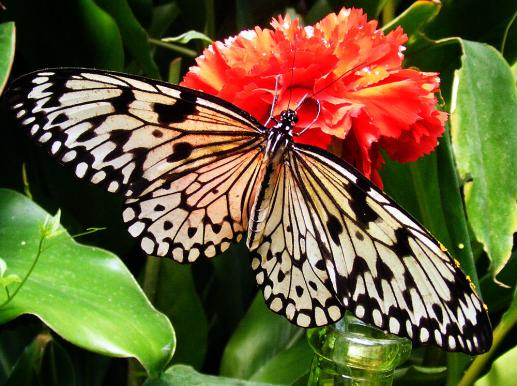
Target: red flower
[(352, 69)]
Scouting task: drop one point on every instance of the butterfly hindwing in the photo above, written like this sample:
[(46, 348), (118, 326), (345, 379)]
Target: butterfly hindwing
[(288, 262), (183, 159), (380, 263)]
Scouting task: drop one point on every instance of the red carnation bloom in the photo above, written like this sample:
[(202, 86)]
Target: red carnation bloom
[(352, 69)]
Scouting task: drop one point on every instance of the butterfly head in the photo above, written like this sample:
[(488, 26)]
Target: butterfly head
[(289, 118)]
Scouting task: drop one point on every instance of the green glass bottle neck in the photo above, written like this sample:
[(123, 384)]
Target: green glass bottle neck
[(353, 353)]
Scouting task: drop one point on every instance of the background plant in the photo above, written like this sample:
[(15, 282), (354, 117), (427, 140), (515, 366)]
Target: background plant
[(80, 311)]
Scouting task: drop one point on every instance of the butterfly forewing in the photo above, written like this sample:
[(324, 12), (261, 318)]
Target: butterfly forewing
[(184, 160)]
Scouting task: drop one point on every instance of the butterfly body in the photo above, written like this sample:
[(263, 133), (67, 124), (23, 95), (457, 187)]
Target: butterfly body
[(279, 138), (197, 173)]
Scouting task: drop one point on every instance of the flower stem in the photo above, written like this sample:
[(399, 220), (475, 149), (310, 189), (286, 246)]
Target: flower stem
[(173, 47)]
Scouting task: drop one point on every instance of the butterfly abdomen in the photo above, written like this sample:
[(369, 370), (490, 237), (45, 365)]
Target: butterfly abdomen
[(278, 140)]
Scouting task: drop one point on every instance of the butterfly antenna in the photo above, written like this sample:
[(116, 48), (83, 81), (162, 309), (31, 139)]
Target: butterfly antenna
[(292, 74), (301, 102), (273, 104), (335, 80), (313, 121)]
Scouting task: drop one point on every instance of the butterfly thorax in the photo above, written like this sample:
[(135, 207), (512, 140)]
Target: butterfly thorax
[(278, 141)]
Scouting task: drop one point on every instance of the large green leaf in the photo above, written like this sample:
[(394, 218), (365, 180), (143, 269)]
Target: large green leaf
[(413, 18), (175, 295), (483, 122), (24, 371), (83, 293), (134, 35), (288, 366), (178, 375), (102, 33), (7, 44), (64, 33), (258, 348), (502, 372)]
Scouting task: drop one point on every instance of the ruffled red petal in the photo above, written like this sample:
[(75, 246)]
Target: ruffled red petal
[(344, 64)]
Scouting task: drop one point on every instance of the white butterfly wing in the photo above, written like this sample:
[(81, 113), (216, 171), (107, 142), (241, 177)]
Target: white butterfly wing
[(369, 255), (185, 161)]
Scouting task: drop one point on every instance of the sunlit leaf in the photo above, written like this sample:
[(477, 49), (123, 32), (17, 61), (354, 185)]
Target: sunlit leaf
[(260, 338), (7, 45), (482, 120), (414, 17), (83, 293), (188, 36), (185, 375), (502, 372)]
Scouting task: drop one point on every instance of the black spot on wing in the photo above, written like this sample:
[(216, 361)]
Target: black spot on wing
[(159, 208), (438, 312), (157, 133), (180, 151), (191, 231), (60, 118), (299, 290), (176, 112), (335, 228), (401, 246), (121, 103), (360, 207)]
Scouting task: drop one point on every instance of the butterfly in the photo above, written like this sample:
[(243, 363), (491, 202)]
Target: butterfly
[(197, 173)]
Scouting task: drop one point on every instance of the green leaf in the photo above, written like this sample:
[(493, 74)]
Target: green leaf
[(414, 17), (483, 115), (473, 20), (103, 35), (288, 366), (163, 16), (502, 372), (7, 45), (83, 293), (56, 366), (178, 375), (25, 369), (260, 337), (186, 37), (175, 295), (134, 35), (9, 279), (174, 71)]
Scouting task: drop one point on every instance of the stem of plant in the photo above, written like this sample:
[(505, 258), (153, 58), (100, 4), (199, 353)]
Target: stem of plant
[(173, 47), (38, 254), (388, 12)]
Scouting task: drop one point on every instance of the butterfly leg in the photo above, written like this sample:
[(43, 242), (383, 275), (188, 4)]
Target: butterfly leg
[(313, 121), (273, 104)]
